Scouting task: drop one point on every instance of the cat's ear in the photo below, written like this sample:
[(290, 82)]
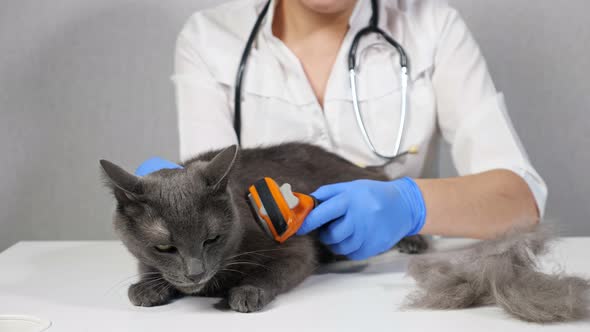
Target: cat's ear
[(219, 168), (126, 186)]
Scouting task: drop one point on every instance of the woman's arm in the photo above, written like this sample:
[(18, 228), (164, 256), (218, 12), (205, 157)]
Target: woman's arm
[(205, 119), (477, 206), (363, 218), (498, 188)]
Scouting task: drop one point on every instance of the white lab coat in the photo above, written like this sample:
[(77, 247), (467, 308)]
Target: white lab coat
[(450, 94)]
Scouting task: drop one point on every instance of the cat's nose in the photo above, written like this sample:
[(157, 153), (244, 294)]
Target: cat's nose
[(195, 277), (194, 269)]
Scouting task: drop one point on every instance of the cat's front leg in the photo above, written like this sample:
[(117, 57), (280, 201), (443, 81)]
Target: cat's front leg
[(151, 290), (151, 294), (292, 262)]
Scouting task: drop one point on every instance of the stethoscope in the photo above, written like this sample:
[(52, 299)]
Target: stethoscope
[(371, 28)]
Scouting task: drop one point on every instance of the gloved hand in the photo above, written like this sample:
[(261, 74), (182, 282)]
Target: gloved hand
[(153, 165), (363, 218)]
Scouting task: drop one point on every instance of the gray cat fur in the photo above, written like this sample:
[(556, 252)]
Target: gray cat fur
[(504, 272), (190, 207)]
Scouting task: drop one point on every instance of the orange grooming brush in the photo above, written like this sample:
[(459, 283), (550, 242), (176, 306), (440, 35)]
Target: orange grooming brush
[(278, 210)]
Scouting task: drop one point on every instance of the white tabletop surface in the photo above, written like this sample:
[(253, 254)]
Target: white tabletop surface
[(82, 286)]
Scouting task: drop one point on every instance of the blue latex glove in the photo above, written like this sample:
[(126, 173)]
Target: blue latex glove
[(364, 218), (153, 165)]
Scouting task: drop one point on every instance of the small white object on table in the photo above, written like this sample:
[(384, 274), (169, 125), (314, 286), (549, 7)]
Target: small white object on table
[(82, 286)]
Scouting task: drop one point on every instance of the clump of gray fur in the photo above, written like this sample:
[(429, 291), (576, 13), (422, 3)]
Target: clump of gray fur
[(503, 271)]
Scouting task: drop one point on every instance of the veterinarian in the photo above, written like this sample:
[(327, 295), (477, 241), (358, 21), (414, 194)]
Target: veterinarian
[(296, 86)]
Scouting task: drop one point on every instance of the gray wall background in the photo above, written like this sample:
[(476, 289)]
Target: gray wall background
[(84, 80)]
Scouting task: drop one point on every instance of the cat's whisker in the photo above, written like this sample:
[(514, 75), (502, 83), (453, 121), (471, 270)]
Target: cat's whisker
[(156, 288), (243, 262), (252, 253), (256, 252), (162, 289), (216, 284), (152, 282), (171, 286), (232, 270), (247, 263), (165, 289), (122, 282), (156, 284), (138, 275)]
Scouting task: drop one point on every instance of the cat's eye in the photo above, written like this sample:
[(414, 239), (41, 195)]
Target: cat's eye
[(211, 240), (166, 248)]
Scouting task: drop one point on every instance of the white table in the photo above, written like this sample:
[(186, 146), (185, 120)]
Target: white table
[(82, 286)]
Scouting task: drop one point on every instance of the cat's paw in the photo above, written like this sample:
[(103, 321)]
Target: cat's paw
[(248, 298), (415, 244), (144, 294)]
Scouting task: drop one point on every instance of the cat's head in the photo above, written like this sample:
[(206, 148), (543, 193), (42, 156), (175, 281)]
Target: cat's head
[(180, 221)]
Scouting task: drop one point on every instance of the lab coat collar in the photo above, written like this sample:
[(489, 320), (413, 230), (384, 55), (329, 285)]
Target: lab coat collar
[(361, 16), (394, 21), (339, 88), (267, 24)]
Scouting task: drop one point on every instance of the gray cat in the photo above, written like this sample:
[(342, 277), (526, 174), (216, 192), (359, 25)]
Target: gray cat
[(193, 233)]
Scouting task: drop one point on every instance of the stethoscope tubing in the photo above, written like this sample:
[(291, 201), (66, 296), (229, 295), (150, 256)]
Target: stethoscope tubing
[(372, 28), (242, 70)]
